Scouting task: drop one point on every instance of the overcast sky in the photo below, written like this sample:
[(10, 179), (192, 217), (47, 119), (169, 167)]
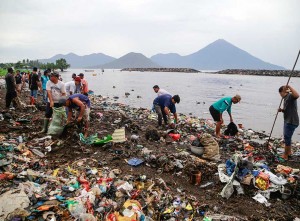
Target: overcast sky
[(267, 29)]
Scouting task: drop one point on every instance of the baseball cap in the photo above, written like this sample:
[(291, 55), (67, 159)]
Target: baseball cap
[(77, 79), (55, 74), (62, 101)]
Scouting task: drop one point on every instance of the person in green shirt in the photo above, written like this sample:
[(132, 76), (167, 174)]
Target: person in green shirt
[(216, 110)]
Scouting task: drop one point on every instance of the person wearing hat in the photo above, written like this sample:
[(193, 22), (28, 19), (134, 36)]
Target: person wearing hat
[(73, 86), (45, 79), (84, 83), (78, 85), (165, 105), (290, 116), (216, 110), (55, 91), (81, 104)]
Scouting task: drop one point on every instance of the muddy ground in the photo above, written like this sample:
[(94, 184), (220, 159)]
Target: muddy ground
[(70, 149)]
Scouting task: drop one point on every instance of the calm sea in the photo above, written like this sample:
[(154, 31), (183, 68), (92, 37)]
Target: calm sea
[(260, 97)]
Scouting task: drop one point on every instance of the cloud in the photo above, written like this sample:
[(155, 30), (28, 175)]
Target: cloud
[(268, 29)]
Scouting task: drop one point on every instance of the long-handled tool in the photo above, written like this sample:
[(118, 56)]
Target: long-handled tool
[(281, 101)]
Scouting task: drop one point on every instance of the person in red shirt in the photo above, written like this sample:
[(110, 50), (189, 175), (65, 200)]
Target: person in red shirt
[(84, 83)]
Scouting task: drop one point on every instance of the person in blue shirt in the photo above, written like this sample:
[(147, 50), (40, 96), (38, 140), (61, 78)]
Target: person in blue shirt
[(45, 78), (80, 103), (165, 105), (216, 110)]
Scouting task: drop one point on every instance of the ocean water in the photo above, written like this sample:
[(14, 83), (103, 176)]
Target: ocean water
[(257, 109)]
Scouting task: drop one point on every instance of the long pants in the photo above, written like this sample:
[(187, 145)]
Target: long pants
[(10, 97), (45, 96), (160, 115)]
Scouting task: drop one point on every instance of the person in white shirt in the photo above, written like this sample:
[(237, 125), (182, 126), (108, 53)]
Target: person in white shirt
[(160, 91), (56, 90), (70, 87)]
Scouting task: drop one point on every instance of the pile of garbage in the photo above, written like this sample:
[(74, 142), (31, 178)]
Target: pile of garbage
[(127, 169), (84, 189)]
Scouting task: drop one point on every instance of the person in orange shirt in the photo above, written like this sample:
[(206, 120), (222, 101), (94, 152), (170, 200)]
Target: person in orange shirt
[(84, 83)]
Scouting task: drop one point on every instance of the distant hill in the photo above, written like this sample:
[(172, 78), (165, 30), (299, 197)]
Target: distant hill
[(218, 55), (130, 60), (84, 61)]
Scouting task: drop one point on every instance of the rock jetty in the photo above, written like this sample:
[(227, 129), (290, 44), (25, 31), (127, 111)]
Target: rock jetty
[(276, 73), (184, 70)]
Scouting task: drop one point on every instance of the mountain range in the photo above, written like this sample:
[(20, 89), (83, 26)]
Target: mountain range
[(218, 55), (130, 60), (84, 61)]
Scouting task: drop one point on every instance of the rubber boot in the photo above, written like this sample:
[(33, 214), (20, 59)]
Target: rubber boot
[(45, 128)]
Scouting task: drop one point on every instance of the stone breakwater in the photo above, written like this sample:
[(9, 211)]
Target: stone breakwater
[(276, 73), (184, 70)]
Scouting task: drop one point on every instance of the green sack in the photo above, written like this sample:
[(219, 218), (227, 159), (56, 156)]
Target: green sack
[(59, 120)]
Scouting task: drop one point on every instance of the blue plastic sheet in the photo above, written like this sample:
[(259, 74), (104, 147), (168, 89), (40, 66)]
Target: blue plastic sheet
[(135, 162)]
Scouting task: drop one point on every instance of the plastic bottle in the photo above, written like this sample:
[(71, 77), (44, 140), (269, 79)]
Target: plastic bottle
[(20, 139), (37, 152)]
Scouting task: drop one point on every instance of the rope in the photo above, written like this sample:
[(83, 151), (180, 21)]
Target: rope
[(282, 100)]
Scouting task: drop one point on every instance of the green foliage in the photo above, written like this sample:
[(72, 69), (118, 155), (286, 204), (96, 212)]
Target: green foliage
[(3, 71), (48, 65), (26, 64), (62, 64)]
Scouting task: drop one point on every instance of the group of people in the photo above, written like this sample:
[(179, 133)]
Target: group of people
[(164, 105), (73, 95)]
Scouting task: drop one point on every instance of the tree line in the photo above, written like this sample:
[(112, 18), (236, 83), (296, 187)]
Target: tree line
[(29, 64)]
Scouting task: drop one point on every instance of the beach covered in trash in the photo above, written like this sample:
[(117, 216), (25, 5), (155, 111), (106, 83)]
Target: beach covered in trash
[(127, 169)]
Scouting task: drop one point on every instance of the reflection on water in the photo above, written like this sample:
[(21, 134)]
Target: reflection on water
[(260, 97)]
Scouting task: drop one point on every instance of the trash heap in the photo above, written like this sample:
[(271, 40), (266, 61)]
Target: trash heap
[(129, 170)]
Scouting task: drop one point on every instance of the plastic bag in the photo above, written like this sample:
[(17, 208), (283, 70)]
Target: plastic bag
[(76, 208), (58, 122), (231, 129)]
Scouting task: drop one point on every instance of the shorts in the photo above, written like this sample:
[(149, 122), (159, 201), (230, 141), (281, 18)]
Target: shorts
[(49, 110), (33, 93), (214, 113), (288, 131)]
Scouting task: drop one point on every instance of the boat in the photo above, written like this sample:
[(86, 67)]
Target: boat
[(94, 74), (89, 70)]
